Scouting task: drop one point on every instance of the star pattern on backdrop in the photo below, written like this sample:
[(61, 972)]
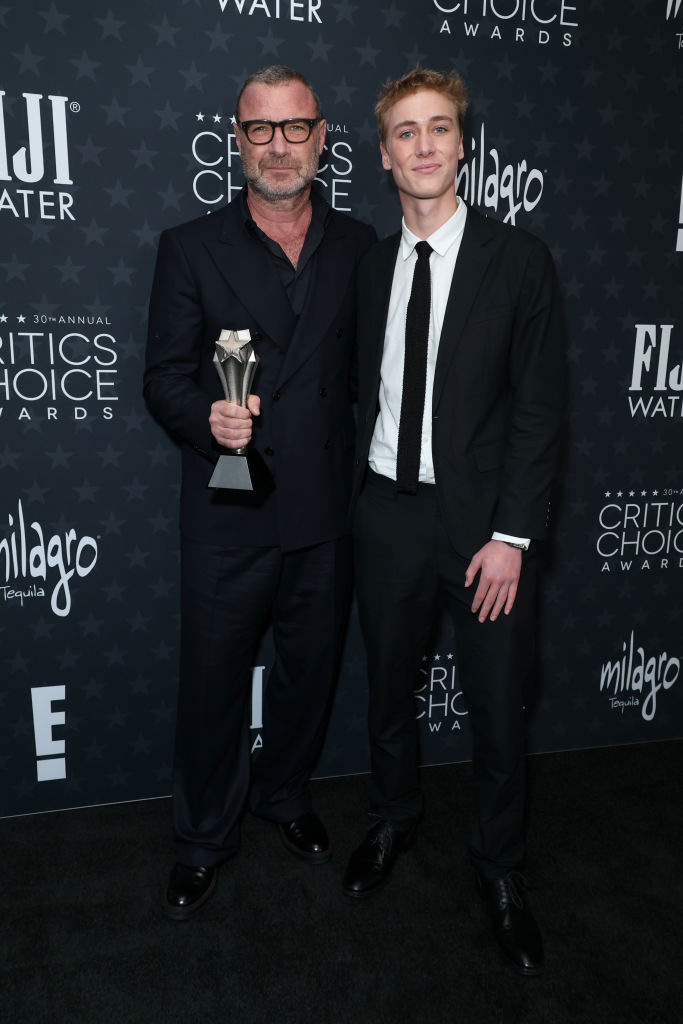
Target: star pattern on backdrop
[(141, 82)]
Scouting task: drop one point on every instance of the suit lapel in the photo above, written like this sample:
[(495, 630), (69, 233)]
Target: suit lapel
[(245, 264), (334, 266), (470, 267), (373, 331)]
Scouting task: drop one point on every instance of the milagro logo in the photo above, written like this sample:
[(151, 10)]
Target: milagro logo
[(290, 10), (640, 530), (486, 181), (521, 21), (439, 701), (672, 8), (656, 386), (46, 130), (218, 175), (35, 565), (635, 679)]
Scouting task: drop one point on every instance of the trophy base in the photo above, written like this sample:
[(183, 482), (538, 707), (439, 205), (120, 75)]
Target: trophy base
[(232, 473)]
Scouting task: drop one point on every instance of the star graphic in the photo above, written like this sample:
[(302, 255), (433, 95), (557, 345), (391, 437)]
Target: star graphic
[(110, 26), (28, 61), (368, 54), (139, 72), (167, 117), (115, 112), (119, 194), (270, 44), (53, 20), (218, 38), (166, 33), (15, 269), (193, 77), (90, 153), (345, 11), (320, 49), (85, 67)]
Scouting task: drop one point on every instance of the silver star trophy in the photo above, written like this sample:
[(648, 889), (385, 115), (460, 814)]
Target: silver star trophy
[(235, 362)]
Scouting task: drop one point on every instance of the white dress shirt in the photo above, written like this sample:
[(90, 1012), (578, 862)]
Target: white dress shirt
[(445, 243)]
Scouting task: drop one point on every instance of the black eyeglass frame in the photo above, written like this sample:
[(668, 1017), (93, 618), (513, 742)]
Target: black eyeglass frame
[(310, 121)]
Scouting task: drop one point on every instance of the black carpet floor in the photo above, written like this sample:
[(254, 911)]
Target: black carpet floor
[(84, 938)]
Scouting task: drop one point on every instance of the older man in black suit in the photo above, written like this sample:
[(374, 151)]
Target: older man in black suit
[(460, 346), (281, 263)]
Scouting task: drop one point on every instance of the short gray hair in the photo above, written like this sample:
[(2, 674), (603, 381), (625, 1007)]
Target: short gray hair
[(278, 74)]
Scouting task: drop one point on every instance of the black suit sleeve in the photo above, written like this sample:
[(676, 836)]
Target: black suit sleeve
[(174, 344), (537, 378)]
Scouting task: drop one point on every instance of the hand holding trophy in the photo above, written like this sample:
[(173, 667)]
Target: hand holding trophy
[(235, 362)]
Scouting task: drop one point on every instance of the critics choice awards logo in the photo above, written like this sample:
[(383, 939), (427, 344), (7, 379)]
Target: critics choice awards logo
[(634, 679), (57, 366), (290, 10), (218, 168), (439, 701), (34, 157), (641, 530), (35, 564), (657, 374), (541, 22)]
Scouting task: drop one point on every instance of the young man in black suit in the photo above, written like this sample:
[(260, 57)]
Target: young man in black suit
[(281, 263), (460, 407)]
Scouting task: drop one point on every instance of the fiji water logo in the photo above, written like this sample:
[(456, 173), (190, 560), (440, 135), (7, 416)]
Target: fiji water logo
[(26, 165), (33, 562)]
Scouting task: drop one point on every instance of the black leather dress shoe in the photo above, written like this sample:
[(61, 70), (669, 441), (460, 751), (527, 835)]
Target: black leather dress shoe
[(513, 924), (188, 889), (306, 837), (371, 864)]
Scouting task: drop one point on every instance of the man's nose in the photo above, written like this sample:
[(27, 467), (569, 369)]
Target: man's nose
[(425, 141), (279, 143)]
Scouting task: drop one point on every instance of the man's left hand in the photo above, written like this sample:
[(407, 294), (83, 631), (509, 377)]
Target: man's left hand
[(499, 566)]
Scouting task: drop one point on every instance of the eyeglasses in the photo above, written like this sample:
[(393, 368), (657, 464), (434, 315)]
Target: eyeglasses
[(294, 129)]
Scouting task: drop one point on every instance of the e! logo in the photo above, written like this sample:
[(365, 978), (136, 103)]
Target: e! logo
[(44, 720)]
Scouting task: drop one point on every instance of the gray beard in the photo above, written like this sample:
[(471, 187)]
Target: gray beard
[(258, 184)]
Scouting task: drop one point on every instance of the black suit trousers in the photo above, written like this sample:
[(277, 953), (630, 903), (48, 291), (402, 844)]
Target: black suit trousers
[(405, 567), (227, 596)]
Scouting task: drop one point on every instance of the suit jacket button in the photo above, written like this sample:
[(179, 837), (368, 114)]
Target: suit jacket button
[(323, 392), (328, 444), (340, 331), (270, 451), (276, 396), (256, 336)]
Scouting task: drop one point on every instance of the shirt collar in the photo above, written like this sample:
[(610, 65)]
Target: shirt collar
[(320, 208), (442, 239)]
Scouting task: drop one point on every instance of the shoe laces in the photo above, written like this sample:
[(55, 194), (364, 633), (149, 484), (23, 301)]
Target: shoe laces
[(510, 889)]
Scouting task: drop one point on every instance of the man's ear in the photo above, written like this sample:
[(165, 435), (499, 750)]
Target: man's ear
[(322, 129), (386, 159)]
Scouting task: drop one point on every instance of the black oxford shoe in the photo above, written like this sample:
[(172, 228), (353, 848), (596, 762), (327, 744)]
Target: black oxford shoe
[(371, 864), (188, 889), (513, 924), (306, 837)]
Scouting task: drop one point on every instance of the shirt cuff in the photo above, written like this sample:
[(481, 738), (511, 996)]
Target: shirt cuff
[(524, 541)]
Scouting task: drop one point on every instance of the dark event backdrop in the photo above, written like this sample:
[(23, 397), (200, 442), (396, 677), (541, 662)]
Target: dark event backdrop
[(114, 124)]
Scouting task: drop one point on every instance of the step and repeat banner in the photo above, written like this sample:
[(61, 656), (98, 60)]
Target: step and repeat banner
[(115, 122)]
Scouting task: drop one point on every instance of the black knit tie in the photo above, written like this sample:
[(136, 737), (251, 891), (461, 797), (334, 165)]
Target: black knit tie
[(414, 374)]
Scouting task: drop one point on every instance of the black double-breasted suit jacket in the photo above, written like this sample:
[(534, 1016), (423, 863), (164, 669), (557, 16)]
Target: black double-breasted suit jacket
[(214, 273), (499, 382)]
